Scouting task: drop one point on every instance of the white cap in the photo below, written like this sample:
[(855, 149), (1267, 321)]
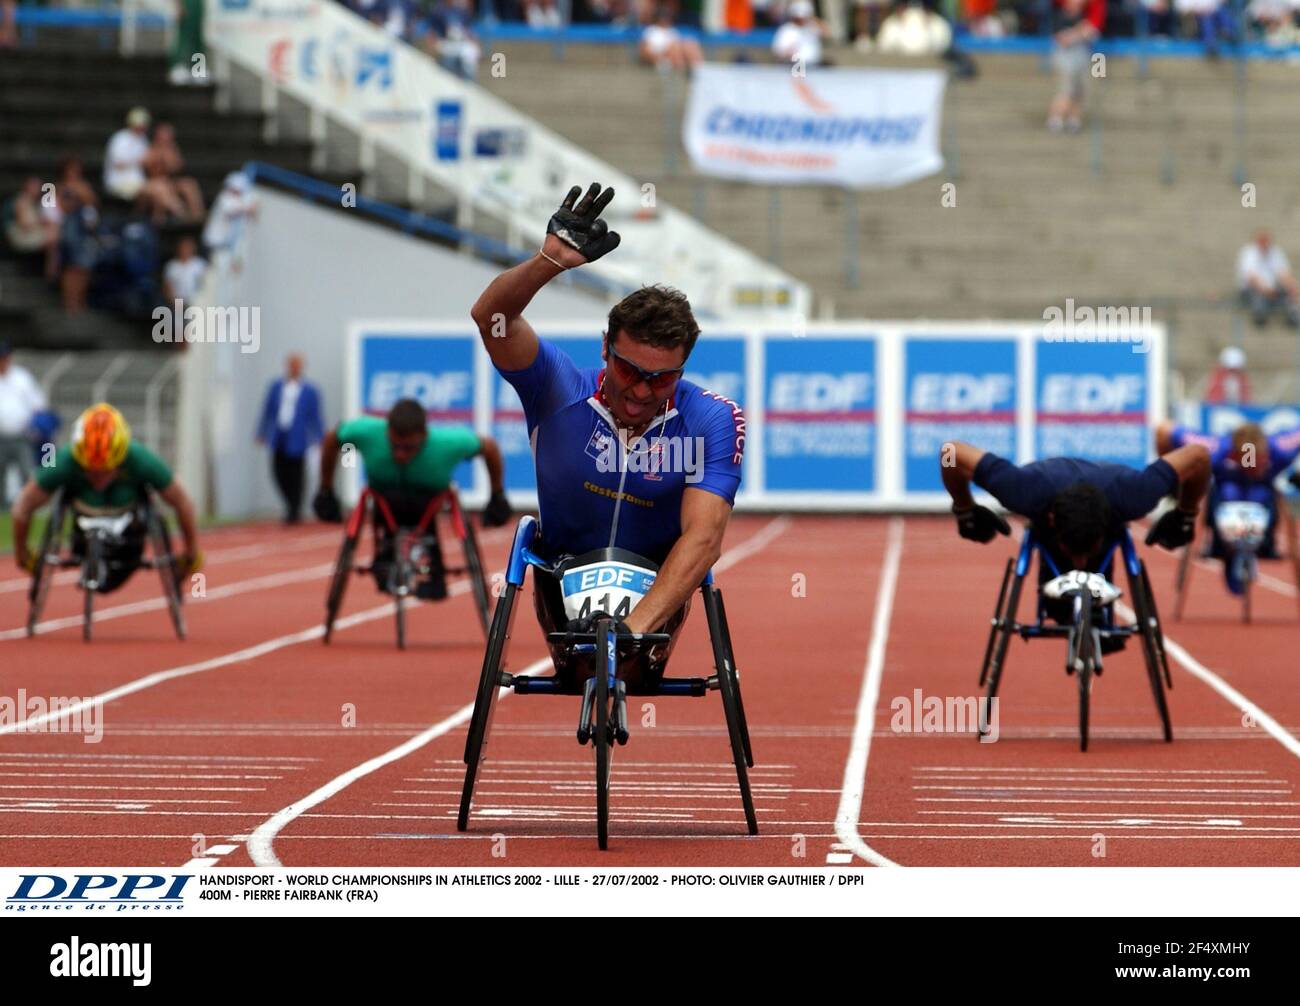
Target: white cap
[(138, 117), (1232, 358), (801, 8)]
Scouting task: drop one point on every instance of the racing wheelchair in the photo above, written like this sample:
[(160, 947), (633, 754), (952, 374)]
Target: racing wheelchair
[(106, 549), (410, 559), (1089, 598), (1242, 528), (602, 666)]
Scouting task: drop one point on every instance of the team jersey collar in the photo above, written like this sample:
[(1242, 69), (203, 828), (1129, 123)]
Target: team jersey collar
[(601, 405)]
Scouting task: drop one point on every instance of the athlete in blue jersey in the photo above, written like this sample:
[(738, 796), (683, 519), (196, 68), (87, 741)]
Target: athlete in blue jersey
[(1245, 464), (629, 456), (1077, 507)]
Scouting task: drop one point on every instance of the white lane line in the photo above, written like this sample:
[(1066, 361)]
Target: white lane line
[(1040, 768), (261, 842), (268, 582), (1067, 788), (855, 769), (199, 864)]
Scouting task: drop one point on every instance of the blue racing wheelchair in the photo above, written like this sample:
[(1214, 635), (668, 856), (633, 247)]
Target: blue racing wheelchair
[(1078, 606), (601, 666)]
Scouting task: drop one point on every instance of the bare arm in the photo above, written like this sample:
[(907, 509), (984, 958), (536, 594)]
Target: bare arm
[(491, 452), (1192, 465), (179, 500), (1165, 437), (509, 340), (957, 461), (329, 458), (30, 499), (704, 521)]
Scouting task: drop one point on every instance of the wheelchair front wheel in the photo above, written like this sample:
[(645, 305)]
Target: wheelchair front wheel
[(339, 584), (603, 736)]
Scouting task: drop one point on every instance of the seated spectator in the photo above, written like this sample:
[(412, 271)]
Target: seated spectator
[(664, 47), (1213, 18), (1077, 24), (164, 161), (911, 30), (800, 38), (1229, 384), (124, 170), (1264, 281), (234, 205), (182, 280), (78, 250), (447, 34), (982, 20), (542, 14), (1275, 20), (26, 230), (1155, 17)]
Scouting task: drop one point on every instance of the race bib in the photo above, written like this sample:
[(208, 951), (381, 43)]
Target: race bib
[(1078, 580), (1241, 522), (612, 585)]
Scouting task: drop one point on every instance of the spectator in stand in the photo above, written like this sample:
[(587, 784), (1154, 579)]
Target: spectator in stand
[(21, 399), (26, 229), (1275, 20), (542, 14), (868, 18), (79, 250), (664, 47), (71, 193), (911, 30), (800, 38), (164, 162), (1229, 384), (447, 34), (124, 170), (234, 205), (182, 280), (981, 18), (616, 13), (187, 43), (290, 424), (1214, 19), (8, 31), (1078, 23), (1155, 17), (1265, 282), (738, 15)]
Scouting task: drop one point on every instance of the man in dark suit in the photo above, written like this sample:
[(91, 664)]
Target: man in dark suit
[(290, 424)]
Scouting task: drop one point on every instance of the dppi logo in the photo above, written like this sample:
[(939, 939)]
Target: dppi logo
[(1092, 393), (46, 891), (819, 392), (433, 391), (960, 392)]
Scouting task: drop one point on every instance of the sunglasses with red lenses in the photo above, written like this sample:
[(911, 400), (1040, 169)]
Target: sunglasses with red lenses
[(629, 373)]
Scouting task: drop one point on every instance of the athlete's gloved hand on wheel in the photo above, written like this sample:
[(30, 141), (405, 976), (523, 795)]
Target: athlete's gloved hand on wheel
[(498, 510), (577, 225), (1174, 529), (591, 622), (979, 523), (189, 563), (326, 507)]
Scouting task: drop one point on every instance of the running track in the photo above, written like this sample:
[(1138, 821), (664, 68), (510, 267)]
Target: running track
[(253, 743)]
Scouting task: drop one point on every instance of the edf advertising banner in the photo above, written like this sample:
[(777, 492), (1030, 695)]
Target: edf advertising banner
[(956, 389), (819, 409), (436, 370), (1091, 402)]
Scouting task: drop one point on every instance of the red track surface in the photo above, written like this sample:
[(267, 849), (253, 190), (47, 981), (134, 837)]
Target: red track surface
[(250, 722)]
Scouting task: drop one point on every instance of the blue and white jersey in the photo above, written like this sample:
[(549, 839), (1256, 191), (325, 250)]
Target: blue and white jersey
[(597, 490)]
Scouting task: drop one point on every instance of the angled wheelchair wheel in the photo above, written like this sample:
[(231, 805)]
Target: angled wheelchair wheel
[(339, 583), (477, 578), (91, 562), (995, 622), (480, 723), (998, 661), (46, 567), (1153, 646), (735, 679), (1248, 574), (602, 737), (400, 582), (168, 573), (728, 687), (1079, 659)]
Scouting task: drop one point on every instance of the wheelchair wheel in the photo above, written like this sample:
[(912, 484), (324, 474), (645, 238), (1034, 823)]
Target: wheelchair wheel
[(1183, 580), (603, 736), (339, 584), (995, 622), (401, 583), (1248, 573), (43, 575), (1153, 646), (160, 542), (477, 578), (735, 679), (1079, 659), (91, 562), (1004, 632), (480, 723), (729, 687)]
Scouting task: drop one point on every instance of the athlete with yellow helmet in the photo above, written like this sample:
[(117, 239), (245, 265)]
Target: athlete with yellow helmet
[(102, 470)]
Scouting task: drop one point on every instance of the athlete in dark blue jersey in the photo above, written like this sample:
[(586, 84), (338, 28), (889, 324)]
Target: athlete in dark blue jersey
[(630, 456)]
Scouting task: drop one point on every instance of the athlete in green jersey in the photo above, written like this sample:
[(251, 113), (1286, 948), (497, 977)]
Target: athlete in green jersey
[(408, 462)]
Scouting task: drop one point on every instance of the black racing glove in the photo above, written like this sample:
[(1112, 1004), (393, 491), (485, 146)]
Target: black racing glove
[(1174, 529), (498, 510), (326, 507), (979, 523), (578, 225)]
